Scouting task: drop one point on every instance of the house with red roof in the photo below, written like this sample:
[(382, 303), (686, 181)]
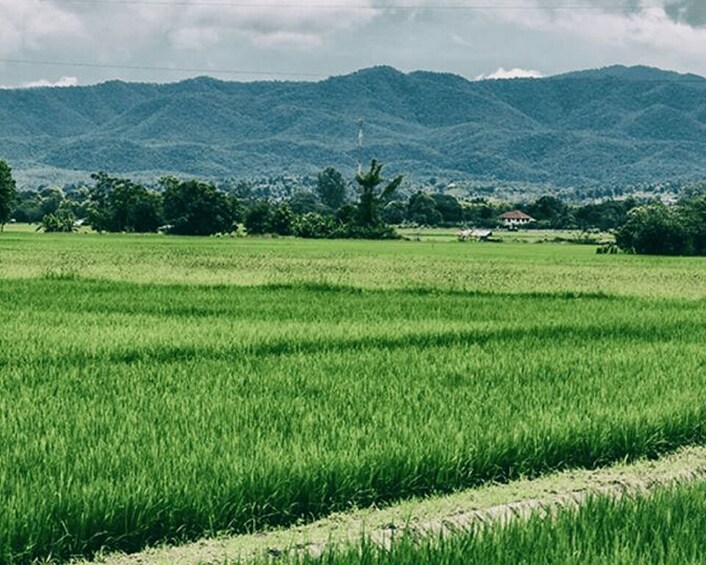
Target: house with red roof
[(515, 219)]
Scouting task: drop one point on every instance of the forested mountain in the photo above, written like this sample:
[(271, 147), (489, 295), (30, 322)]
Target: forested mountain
[(617, 124)]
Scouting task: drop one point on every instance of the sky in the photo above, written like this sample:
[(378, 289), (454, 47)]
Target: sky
[(80, 42)]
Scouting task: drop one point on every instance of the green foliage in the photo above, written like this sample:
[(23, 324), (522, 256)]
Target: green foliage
[(656, 229), (379, 231), (283, 220), (258, 219), (346, 214), (607, 215), (196, 208), (315, 226), (550, 212), (665, 527), (450, 209), (371, 197), (307, 202), (482, 213), (120, 205), (32, 206), (422, 210), (297, 378), (331, 187), (8, 193), (61, 221), (394, 212)]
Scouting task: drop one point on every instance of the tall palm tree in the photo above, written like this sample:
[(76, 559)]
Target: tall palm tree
[(371, 197)]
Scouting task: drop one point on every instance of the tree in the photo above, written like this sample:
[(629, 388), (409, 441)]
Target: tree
[(449, 207), (331, 187), (61, 221), (604, 216), (655, 229), (422, 210), (51, 199), (196, 208), (693, 213), (482, 213), (8, 193), (306, 202), (394, 212), (282, 222), (118, 205), (551, 212), (258, 219), (371, 197)]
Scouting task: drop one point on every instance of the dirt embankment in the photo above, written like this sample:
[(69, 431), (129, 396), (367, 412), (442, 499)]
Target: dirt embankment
[(442, 515)]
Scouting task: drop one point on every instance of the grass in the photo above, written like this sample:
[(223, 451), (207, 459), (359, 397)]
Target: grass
[(666, 528), (424, 518), (503, 235), (502, 268), (159, 389)]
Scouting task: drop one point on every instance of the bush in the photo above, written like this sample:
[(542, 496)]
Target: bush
[(315, 226), (61, 221)]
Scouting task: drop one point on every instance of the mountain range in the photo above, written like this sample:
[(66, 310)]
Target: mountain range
[(612, 125)]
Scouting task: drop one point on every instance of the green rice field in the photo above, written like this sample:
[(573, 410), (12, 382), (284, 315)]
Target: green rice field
[(665, 528), (159, 389)]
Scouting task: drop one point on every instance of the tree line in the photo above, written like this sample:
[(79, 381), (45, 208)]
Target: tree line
[(194, 207), (332, 209)]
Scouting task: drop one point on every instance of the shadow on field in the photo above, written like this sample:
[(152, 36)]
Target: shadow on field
[(535, 336)]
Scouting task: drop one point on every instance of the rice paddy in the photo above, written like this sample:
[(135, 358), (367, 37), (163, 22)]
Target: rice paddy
[(665, 527), (158, 389)]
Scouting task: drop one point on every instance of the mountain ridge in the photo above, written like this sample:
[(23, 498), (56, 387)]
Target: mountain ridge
[(612, 125)]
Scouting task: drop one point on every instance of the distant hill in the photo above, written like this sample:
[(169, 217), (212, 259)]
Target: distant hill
[(617, 124)]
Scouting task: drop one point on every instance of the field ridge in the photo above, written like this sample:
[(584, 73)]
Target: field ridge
[(445, 515)]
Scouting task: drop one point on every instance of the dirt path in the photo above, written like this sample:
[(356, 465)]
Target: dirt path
[(489, 504)]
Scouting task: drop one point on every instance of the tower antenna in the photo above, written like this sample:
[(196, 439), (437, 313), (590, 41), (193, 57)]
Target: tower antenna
[(360, 145)]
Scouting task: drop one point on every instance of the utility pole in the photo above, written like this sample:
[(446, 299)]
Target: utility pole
[(360, 146)]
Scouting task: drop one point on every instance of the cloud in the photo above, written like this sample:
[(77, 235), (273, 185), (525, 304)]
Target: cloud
[(197, 25), (691, 12), (688, 12), (30, 24), (63, 82), (189, 38), (115, 29), (642, 25), (502, 73), (44, 83), (132, 40)]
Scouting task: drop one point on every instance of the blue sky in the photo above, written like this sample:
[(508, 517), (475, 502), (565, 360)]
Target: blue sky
[(67, 42)]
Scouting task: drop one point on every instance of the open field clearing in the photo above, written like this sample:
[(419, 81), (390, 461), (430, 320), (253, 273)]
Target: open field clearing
[(160, 389)]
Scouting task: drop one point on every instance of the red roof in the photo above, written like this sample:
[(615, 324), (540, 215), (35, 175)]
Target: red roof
[(515, 215)]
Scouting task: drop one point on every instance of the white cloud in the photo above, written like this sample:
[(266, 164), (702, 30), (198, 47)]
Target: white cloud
[(31, 24), (503, 73), (647, 32), (43, 83), (189, 38), (195, 25), (321, 37)]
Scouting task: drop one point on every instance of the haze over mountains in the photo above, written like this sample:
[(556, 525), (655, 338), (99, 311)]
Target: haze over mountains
[(620, 125)]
